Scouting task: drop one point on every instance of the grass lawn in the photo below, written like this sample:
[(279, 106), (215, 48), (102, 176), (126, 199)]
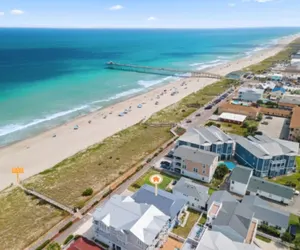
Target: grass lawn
[(23, 219), (145, 180), (294, 178), (211, 191), (294, 220), (99, 165), (263, 238), (184, 231), (203, 219)]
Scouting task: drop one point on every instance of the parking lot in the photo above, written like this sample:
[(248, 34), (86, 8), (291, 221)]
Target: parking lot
[(277, 127)]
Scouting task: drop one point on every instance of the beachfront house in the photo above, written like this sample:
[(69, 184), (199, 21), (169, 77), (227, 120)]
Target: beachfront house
[(210, 139), (250, 94), (124, 224), (243, 182), (195, 194), (268, 157), (195, 163), (170, 204)]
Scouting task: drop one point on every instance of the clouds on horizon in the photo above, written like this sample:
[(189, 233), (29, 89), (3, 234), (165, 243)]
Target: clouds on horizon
[(16, 12), (116, 7), (152, 18)]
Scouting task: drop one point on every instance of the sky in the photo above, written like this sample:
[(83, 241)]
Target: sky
[(149, 13)]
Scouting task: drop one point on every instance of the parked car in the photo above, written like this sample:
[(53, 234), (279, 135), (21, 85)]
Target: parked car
[(198, 114), (208, 107), (188, 121), (165, 163), (269, 117), (265, 123), (174, 182), (259, 133), (296, 192)]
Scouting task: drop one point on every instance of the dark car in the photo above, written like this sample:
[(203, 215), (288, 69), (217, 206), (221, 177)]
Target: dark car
[(188, 121), (269, 117), (208, 107), (198, 114)]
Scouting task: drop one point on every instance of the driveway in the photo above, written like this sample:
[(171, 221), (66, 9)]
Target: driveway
[(270, 246), (293, 208)]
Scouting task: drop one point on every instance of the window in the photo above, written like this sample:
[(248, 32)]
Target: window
[(203, 172), (196, 170), (184, 166), (232, 182)]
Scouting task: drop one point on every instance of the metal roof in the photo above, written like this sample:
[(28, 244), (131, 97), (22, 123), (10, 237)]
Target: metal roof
[(219, 196), (205, 135), (124, 214), (245, 90), (212, 240), (195, 155), (291, 99), (270, 187), (264, 212), (166, 202), (241, 174), (192, 189), (233, 117)]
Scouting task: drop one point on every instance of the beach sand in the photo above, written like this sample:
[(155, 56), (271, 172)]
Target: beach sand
[(44, 151)]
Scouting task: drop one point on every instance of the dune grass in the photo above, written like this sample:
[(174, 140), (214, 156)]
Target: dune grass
[(282, 56), (23, 219), (99, 165)]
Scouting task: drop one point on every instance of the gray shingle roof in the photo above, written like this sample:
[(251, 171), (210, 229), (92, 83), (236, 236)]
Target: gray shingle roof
[(195, 155), (264, 212), (241, 174), (235, 215), (192, 189), (220, 196), (123, 214), (166, 202), (269, 187)]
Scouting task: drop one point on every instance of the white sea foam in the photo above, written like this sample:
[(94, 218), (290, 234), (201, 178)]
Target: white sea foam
[(147, 84), (213, 63), (11, 128)]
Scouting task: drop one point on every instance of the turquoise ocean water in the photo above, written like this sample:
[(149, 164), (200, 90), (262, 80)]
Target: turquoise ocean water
[(49, 76)]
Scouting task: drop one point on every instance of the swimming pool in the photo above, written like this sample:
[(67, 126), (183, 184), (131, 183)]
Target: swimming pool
[(230, 165)]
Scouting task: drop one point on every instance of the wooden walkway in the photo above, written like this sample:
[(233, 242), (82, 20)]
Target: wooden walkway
[(49, 200), (161, 71)]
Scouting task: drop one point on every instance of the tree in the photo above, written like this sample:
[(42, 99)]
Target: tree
[(259, 117), (297, 243), (287, 237), (221, 171), (260, 102), (54, 246)]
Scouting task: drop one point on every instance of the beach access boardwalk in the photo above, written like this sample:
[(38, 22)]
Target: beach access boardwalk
[(50, 201), (161, 71)]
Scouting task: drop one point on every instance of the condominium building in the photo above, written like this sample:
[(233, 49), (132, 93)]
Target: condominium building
[(250, 94), (294, 133), (265, 155), (124, 224), (210, 139), (195, 163), (250, 112)]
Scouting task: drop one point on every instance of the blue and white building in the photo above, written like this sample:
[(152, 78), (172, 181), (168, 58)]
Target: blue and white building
[(250, 94), (210, 139), (266, 156)]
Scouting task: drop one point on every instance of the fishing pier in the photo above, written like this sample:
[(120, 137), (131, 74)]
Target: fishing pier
[(161, 71)]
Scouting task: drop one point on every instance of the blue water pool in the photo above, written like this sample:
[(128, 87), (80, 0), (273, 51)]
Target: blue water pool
[(230, 165)]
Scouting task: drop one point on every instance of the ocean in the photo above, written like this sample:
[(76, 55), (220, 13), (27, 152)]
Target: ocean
[(49, 76)]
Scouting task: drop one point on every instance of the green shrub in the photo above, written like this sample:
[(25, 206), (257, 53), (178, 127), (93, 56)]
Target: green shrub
[(66, 226), (269, 230), (43, 245), (287, 237), (221, 171), (68, 239), (53, 246), (87, 192)]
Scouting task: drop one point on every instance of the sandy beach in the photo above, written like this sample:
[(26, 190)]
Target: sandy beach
[(45, 150)]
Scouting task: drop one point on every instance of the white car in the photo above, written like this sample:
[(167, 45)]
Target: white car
[(296, 192)]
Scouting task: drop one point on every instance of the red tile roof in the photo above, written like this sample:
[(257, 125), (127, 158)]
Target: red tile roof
[(84, 244)]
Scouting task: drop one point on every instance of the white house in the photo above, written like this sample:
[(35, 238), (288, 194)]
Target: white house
[(239, 179), (243, 182), (195, 194), (250, 94), (124, 224)]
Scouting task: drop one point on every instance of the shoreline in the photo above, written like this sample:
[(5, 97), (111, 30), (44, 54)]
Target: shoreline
[(43, 151)]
